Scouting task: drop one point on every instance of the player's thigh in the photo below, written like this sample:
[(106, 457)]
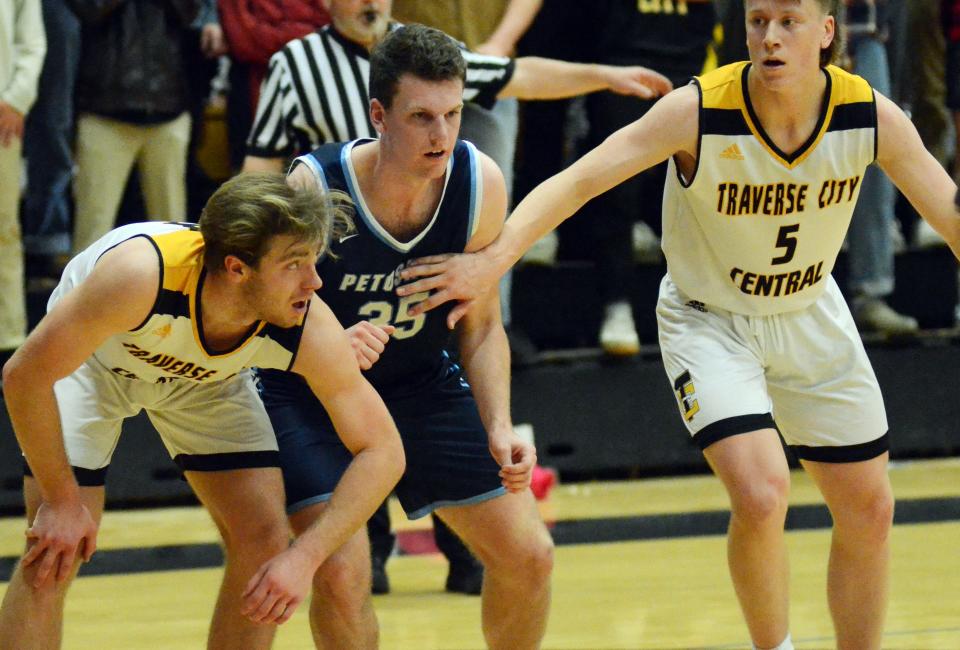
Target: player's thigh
[(214, 427), (447, 450), (826, 397), (714, 368), (312, 456), (501, 528), (246, 504), (93, 403)]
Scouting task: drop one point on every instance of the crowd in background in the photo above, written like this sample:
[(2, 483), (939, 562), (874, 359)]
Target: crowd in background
[(91, 90)]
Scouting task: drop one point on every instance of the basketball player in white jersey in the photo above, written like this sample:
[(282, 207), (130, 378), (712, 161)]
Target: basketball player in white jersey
[(169, 318), (766, 159)]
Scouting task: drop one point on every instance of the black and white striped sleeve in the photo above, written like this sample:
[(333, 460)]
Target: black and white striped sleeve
[(270, 136), (486, 77)]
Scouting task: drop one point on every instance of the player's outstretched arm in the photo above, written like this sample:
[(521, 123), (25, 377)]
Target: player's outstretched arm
[(916, 173), (540, 78), (669, 128), (116, 297), (326, 360)]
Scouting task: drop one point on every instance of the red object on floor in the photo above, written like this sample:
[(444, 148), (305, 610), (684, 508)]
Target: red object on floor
[(542, 482)]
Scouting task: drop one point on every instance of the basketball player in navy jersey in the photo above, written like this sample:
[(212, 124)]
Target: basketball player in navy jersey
[(766, 159), (418, 190), (169, 318)]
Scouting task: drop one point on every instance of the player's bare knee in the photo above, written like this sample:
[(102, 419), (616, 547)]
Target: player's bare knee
[(763, 501), (871, 516), (342, 583), (530, 560)]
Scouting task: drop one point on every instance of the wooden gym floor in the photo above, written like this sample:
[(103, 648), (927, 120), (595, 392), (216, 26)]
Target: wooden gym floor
[(639, 564)]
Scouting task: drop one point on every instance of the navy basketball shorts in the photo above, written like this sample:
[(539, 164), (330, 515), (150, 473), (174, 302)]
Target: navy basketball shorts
[(448, 460)]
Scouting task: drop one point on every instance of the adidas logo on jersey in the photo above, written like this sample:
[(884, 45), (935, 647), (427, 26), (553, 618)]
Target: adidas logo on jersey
[(732, 153)]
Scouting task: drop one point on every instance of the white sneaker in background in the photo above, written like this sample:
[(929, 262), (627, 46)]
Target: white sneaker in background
[(924, 236), (875, 315), (618, 334), (646, 244), (543, 251)]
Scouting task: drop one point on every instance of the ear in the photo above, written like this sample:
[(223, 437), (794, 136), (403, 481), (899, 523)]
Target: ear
[(377, 114), (235, 269), (830, 31)]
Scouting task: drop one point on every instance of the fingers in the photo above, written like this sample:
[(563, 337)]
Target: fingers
[(457, 313), (516, 476), (423, 285), (432, 301), (261, 604), (428, 259)]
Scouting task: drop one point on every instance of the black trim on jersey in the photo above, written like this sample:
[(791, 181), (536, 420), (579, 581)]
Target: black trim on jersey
[(85, 477), (763, 134), (287, 337), (732, 427), (157, 300), (171, 303), (696, 163), (226, 461), (876, 128), (857, 115), (723, 121), (844, 453), (198, 312)]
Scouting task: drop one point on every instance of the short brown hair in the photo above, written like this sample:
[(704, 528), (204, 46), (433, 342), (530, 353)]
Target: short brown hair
[(247, 211), (833, 52), (421, 51)]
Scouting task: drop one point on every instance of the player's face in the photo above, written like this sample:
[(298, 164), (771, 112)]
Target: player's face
[(281, 286), (422, 124), (362, 21), (785, 38)]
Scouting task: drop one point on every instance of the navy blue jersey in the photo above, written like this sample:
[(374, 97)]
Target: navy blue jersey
[(360, 278)]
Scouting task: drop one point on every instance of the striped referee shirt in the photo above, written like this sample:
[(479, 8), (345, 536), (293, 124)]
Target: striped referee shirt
[(316, 92)]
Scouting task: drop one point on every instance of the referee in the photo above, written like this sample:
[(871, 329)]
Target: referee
[(316, 87)]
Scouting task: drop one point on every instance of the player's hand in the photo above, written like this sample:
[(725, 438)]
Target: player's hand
[(516, 458), (11, 124), (278, 587), (369, 341), (463, 277), (60, 532), (637, 80)]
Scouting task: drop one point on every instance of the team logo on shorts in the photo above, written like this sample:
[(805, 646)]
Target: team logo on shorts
[(687, 395)]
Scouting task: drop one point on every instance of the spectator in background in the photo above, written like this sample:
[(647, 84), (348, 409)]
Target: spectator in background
[(48, 140), (672, 38), (925, 51), (255, 30), (22, 47), (133, 99), (870, 238)]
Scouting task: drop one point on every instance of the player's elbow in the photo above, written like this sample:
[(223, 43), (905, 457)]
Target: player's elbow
[(15, 376)]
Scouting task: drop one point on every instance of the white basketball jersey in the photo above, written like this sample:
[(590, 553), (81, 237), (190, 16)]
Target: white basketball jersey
[(755, 230), (169, 345)]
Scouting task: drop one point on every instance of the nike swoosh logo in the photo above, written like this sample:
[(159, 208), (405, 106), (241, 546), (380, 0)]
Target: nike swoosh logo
[(346, 237)]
